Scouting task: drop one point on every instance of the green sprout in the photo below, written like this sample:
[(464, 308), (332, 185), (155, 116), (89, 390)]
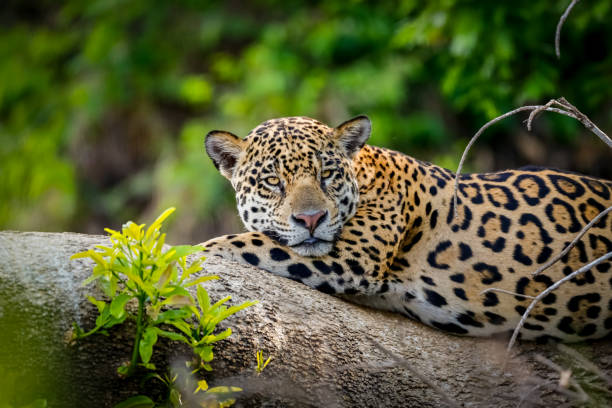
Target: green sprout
[(261, 363), (137, 268)]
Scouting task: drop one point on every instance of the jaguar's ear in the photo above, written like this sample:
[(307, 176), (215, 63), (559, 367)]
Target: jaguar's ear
[(353, 134), (224, 148)]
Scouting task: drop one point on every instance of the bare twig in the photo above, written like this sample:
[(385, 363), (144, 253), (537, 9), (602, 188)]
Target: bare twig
[(588, 365), (507, 292), (563, 108), (581, 395), (570, 110), (560, 24), (550, 385), (574, 242), (402, 362), (550, 104), (473, 140), (552, 287)]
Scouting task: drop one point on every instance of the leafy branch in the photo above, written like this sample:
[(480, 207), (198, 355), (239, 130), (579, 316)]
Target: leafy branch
[(139, 268)]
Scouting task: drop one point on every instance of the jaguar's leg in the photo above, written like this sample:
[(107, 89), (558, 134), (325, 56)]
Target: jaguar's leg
[(344, 270)]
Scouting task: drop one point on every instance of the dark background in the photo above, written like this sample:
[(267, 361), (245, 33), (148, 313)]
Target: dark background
[(104, 105)]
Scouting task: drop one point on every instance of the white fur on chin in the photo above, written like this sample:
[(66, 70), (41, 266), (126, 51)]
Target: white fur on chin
[(318, 249)]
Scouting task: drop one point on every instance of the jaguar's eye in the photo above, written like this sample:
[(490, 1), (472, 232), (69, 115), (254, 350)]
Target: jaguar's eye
[(326, 174), (273, 181)]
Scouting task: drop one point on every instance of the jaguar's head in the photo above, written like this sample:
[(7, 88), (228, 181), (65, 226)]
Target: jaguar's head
[(294, 178)]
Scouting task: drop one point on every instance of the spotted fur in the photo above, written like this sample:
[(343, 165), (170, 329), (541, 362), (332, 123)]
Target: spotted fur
[(377, 227)]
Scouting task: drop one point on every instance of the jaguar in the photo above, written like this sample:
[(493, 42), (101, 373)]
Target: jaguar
[(379, 228)]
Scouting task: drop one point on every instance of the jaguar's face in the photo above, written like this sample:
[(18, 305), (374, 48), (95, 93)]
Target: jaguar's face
[(293, 178)]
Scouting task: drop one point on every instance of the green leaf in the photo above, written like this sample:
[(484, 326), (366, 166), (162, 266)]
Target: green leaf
[(113, 321), (205, 352), (234, 309), (139, 401), (123, 370), (174, 290), (149, 338), (201, 279), (156, 225), (193, 268), (223, 390), (180, 251), (178, 300), (171, 335), (173, 314), (220, 302), (175, 398), (148, 366), (217, 337), (150, 376), (100, 304), (182, 326), (203, 299), (117, 307), (90, 279), (84, 254), (104, 316)]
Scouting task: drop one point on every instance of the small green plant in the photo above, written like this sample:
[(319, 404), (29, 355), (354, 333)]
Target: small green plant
[(184, 390), (137, 268), (261, 363)]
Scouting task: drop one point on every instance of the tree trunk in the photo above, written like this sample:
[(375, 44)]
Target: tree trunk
[(325, 351)]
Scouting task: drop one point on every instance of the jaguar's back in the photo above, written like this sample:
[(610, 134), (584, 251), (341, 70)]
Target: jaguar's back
[(508, 224)]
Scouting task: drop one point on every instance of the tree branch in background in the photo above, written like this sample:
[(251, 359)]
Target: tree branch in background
[(570, 110), (507, 292), (560, 106), (560, 25)]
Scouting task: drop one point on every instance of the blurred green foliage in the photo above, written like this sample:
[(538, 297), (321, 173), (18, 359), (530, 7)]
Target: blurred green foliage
[(104, 104)]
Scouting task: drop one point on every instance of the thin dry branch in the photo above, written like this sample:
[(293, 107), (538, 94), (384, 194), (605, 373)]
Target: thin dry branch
[(549, 289), (560, 25), (507, 292), (563, 108), (570, 110), (580, 395), (573, 243), (402, 362), (588, 365), (473, 140)]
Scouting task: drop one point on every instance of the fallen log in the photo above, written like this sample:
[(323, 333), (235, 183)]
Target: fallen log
[(325, 351)]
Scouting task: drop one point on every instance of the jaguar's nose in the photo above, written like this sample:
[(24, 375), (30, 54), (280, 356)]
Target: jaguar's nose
[(310, 220)]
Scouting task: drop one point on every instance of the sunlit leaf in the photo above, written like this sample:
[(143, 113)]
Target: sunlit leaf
[(224, 390), (149, 338), (156, 225), (117, 306), (201, 279), (202, 386), (171, 335), (203, 299)]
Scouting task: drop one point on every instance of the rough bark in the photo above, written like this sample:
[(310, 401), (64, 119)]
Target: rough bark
[(321, 347)]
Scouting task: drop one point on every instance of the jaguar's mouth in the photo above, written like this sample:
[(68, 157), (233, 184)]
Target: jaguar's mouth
[(311, 241), (312, 247)]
